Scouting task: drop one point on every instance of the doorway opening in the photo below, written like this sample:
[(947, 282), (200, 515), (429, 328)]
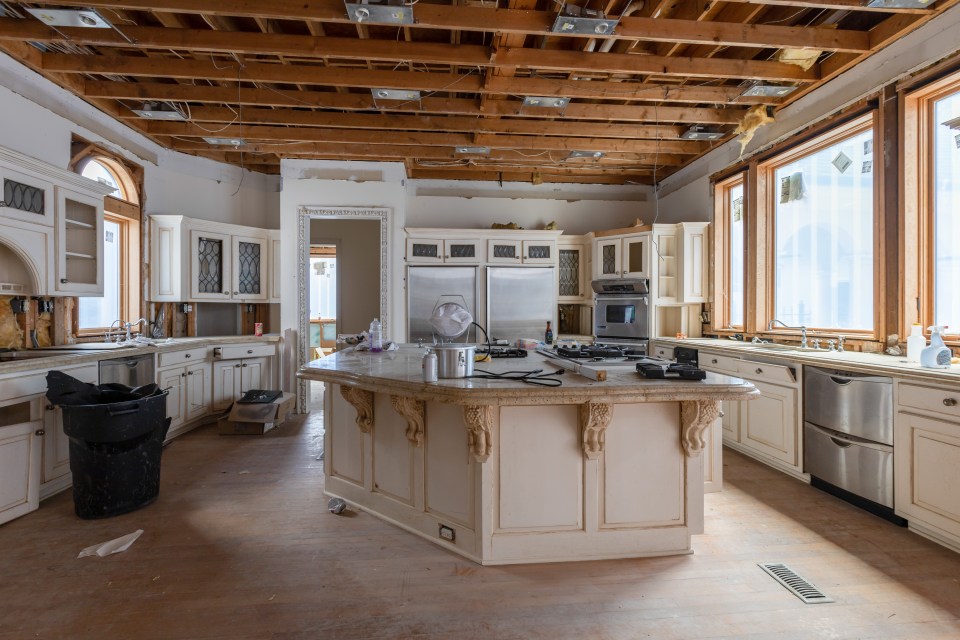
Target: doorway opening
[(323, 299)]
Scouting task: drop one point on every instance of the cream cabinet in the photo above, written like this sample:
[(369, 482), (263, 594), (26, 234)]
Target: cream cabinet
[(51, 229), (927, 460), (55, 471), (511, 251), (573, 260), (622, 256), (444, 250), (237, 368), (679, 263), (198, 260), (21, 432), (189, 393)]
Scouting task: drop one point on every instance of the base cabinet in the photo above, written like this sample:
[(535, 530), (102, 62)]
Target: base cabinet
[(20, 456), (55, 472), (188, 395), (233, 378)]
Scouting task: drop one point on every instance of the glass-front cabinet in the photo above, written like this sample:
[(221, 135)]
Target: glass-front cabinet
[(249, 258), (622, 257), (210, 276), (79, 242), (572, 281)]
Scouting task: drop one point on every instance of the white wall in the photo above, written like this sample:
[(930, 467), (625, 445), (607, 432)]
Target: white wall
[(686, 195), (39, 117), (358, 269)]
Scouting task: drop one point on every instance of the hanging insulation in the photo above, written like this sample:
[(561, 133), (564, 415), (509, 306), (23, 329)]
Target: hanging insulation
[(755, 118)]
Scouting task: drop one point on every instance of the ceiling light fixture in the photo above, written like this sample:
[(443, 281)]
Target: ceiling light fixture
[(576, 20), (899, 4), (159, 111), (380, 11), (480, 151), (760, 90), (395, 94), (596, 155), (700, 132), (545, 101), (87, 18), (226, 142)]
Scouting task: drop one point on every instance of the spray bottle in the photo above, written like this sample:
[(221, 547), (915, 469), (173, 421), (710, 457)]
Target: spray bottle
[(937, 355)]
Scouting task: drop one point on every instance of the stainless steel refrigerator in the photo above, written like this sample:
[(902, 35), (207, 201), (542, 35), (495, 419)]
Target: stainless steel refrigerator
[(520, 301), (428, 286)]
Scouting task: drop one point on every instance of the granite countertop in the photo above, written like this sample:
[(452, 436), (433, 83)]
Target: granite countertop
[(400, 372), (88, 352), (879, 363)]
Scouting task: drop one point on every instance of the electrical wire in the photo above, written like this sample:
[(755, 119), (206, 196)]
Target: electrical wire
[(534, 376)]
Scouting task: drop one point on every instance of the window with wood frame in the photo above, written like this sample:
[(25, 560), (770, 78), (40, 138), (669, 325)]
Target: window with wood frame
[(121, 298), (730, 219), (818, 221), (931, 217)]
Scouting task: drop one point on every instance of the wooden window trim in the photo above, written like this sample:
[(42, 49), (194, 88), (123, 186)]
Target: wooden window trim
[(917, 206), (764, 233), (130, 298), (721, 249)]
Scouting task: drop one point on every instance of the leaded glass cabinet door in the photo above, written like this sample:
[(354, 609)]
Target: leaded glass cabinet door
[(571, 263), (607, 258), (210, 275), (25, 197), (249, 274)]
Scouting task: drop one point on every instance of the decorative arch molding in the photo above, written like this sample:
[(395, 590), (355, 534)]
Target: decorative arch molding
[(305, 214)]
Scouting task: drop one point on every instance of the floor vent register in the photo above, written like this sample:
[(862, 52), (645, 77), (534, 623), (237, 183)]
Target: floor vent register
[(795, 583)]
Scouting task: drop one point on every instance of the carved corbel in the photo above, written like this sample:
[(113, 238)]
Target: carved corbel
[(362, 401), (695, 417), (594, 418), (412, 411), (479, 419)]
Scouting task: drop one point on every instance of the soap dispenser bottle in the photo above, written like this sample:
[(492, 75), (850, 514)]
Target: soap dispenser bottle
[(915, 343), (937, 355)]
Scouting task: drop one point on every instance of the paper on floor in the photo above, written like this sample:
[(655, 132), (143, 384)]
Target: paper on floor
[(113, 546)]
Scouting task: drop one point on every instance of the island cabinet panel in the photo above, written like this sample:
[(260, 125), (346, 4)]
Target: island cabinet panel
[(449, 491), (540, 457), (642, 469), (394, 461), (344, 451), (769, 423)]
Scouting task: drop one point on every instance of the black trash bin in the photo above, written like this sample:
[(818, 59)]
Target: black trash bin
[(115, 452)]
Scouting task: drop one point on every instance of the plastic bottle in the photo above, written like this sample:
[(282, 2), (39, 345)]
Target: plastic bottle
[(548, 335), (915, 343), (429, 367), (376, 338), (937, 355)]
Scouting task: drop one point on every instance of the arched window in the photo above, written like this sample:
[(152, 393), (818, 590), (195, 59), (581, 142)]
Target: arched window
[(121, 298)]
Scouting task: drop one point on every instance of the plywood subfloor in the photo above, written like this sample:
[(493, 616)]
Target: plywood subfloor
[(240, 545)]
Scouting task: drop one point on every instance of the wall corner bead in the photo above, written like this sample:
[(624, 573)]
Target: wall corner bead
[(479, 419), (594, 418), (412, 411), (695, 417), (362, 401)]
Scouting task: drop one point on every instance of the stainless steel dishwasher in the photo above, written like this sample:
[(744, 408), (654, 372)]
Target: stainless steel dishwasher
[(132, 371), (848, 437)]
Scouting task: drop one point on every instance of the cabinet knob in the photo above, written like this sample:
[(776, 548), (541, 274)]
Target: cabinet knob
[(64, 281), (236, 293), (226, 293), (183, 375), (759, 370), (244, 365), (189, 373), (237, 365), (949, 402), (187, 355), (249, 350), (39, 432), (714, 361), (50, 407)]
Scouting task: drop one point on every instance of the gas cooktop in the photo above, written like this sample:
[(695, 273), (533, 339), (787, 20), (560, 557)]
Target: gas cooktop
[(602, 353), (503, 352)]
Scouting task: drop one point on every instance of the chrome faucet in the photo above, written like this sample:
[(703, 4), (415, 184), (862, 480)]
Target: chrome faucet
[(803, 330), (840, 340), (129, 325)]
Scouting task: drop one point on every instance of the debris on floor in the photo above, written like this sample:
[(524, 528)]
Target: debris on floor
[(117, 545)]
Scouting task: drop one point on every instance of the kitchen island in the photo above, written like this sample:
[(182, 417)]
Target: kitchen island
[(504, 472)]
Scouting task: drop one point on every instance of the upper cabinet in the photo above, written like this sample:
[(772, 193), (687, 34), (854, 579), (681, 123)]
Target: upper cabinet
[(440, 250), (622, 256), (198, 260), (573, 285), (51, 220), (679, 262), (511, 251)]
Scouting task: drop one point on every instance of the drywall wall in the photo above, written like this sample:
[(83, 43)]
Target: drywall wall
[(40, 117), (576, 209), (686, 195), (358, 269)]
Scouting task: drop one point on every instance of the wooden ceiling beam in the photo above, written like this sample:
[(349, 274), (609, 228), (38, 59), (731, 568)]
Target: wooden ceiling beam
[(391, 51), (347, 151), (837, 5), (301, 134), (517, 176), (521, 22), (260, 116), (330, 100)]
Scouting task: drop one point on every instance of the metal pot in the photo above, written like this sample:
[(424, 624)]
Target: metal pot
[(454, 360)]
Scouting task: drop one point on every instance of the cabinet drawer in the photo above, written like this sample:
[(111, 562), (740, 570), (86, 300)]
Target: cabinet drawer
[(774, 373), (186, 356), (24, 385), (245, 351), (943, 401), (714, 362), (666, 353)]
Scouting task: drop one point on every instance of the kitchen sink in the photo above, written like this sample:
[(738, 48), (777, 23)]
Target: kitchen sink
[(773, 346), (26, 354)]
